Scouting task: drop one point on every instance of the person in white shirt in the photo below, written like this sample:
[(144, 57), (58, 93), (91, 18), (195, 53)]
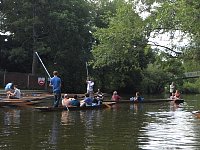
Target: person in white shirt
[(90, 85), (172, 88)]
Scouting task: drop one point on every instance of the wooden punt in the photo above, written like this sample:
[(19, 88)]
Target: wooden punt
[(149, 101), (21, 102), (61, 108), (18, 103)]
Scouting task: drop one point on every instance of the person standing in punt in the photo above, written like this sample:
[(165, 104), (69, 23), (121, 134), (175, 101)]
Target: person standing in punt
[(172, 88), (115, 96), (16, 94), (90, 85), (55, 82)]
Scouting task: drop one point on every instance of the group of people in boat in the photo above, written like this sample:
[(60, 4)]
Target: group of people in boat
[(136, 98), (90, 98), (12, 91), (87, 101)]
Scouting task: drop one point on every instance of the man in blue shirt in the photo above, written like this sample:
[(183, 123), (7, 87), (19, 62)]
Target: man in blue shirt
[(87, 101), (55, 82)]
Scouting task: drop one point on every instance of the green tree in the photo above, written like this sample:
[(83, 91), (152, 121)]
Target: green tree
[(58, 30), (121, 52)]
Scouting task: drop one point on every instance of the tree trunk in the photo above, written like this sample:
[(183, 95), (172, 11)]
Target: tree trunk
[(35, 60)]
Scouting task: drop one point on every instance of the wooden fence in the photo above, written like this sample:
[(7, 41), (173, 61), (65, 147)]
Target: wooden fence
[(24, 80)]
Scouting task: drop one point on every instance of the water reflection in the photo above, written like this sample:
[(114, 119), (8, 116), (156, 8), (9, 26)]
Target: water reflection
[(127, 126), (176, 106), (136, 107), (12, 117), (53, 138), (172, 129)]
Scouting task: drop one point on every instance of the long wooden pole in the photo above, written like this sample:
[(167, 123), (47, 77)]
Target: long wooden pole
[(43, 64)]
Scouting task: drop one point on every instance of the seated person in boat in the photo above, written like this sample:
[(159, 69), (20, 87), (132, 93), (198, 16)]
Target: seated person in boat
[(137, 98), (75, 101), (9, 88), (87, 100), (16, 94), (66, 101), (99, 94), (177, 94), (96, 101), (115, 96)]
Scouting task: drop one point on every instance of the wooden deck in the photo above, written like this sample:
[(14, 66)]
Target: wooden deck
[(25, 100)]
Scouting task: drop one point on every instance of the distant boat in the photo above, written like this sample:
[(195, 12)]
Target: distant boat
[(149, 101)]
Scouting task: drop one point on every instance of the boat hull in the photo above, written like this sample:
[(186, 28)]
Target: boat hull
[(149, 101), (61, 108)]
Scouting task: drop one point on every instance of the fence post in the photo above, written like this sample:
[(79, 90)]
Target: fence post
[(28, 81), (4, 78)]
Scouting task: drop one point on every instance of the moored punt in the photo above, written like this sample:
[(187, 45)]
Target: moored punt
[(149, 101), (61, 108), (18, 102), (24, 101)]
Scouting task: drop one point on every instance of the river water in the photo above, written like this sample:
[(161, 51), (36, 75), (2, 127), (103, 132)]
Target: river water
[(124, 127)]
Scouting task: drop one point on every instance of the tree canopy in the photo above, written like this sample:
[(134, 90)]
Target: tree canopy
[(112, 36)]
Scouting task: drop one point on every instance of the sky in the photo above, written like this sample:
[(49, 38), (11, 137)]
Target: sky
[(165, 39)]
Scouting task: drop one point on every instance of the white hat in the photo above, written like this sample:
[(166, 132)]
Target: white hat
[(115, 92), (65, 95)]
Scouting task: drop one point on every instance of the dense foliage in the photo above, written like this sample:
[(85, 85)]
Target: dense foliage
[(112, 36)]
